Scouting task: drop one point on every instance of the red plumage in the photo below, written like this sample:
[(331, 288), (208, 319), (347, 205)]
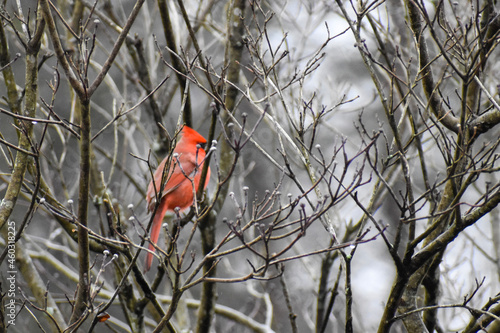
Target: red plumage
[(178, 189)]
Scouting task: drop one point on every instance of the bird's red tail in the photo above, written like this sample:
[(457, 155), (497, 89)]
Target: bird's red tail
[(155, 232)]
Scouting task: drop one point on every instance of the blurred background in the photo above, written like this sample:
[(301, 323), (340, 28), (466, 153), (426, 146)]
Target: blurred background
[(368, 125)]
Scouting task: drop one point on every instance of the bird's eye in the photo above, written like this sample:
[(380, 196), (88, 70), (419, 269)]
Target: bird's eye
[(202, 145)]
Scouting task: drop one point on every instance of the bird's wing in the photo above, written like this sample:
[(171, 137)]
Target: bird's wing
[(180, 170)]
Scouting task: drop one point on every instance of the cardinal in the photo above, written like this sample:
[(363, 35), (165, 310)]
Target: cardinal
[(184, 172)]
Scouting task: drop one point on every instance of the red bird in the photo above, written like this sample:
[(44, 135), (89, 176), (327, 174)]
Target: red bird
[(184, 171)]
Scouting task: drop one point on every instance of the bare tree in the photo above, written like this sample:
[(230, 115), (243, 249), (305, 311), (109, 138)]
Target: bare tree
[(352, 188)]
